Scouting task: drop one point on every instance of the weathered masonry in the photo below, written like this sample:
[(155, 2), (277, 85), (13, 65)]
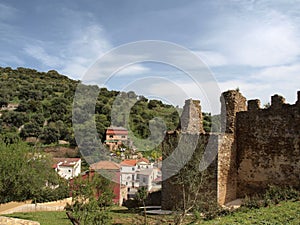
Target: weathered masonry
[(256, 148)]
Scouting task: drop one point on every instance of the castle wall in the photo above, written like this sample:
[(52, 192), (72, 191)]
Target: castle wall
[(227, 171), (268, 143), (171, 190), (232, 103), (183, 151), (257, 148)]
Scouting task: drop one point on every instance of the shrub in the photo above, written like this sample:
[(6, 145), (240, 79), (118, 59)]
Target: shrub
[(273, 195)]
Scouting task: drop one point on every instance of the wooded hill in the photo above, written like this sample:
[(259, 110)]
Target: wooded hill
[(45, 103)]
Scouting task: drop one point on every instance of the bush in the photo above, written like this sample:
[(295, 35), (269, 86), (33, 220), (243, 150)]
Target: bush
[(273, 195), (276, 194), (253, 202)]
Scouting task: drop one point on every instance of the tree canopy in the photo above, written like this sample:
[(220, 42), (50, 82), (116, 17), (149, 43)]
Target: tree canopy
[(45, 101), (27, 174)]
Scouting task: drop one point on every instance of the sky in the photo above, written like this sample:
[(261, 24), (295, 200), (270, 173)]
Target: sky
[(251, 45)]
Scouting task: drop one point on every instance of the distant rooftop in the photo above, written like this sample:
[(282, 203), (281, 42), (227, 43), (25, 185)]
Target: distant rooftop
[(116, 130), (105, 165), (68, 162), (133, 162)]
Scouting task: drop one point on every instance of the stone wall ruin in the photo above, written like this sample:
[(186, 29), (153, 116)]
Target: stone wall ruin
[(257, 148)]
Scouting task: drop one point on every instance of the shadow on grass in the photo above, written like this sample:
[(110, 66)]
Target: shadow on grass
[(22, 216), (126, 211)]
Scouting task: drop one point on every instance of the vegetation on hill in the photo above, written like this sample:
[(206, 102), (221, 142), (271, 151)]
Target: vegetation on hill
[(45, 107)]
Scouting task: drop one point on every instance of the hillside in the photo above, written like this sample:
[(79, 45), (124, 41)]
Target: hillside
[(43, 102)]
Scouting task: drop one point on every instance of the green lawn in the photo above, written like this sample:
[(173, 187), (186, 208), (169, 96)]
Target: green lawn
[(284, 213), (45, 218)]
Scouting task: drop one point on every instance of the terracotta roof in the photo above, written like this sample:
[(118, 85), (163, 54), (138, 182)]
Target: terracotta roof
[(129, 162), (143, 160), (133, 162), (116, 130), (105, 165)]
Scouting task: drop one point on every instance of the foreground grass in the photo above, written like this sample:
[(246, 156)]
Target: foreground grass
[(45, 218), (283, 213), (120, 215)]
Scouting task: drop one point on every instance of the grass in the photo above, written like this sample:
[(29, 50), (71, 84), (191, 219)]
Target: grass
[(283, 213), (45, 218), (121, 215)]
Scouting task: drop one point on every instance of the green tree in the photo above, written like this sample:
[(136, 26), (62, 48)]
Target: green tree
[(50, 135), (30, 129), (26, 174), (141, 196), (91, 201)]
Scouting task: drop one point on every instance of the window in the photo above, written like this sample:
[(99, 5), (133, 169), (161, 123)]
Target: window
[(123, 136), (111, 136), (147, 167), (132, 168), (139, 166), (69, 171), (132, 176), (133, 184), (144, 179)]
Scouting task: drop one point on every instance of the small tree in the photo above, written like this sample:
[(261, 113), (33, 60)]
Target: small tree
[(91, 200), (195, 189), (141, 196)]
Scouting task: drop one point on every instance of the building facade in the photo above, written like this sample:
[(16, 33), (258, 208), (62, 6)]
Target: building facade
[(115, 137), (67, 168)]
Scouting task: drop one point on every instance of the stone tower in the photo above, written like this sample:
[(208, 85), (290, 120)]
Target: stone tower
[(232, 102), (191, 117)]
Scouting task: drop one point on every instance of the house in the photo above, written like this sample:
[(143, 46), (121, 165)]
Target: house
[(136, 173), (67, 168), (115, 137), (111, 170)]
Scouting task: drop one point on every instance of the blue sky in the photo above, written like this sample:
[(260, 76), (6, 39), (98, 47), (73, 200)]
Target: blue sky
[(253, 45)]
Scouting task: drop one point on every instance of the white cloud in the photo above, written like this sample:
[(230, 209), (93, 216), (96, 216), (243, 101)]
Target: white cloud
[(74, 57), (135, 69), (257, 39), (11, 59), (288, 73), (85, 47), (7, 12), (212, 58), (282, 80), (39, 53)]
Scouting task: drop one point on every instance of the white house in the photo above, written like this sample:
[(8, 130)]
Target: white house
[(136, 173), (67, 168)]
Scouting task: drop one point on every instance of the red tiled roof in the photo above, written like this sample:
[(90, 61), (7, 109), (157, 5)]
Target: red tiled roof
[(133, 162), (129, 162), (116, 130), (143, 160)]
